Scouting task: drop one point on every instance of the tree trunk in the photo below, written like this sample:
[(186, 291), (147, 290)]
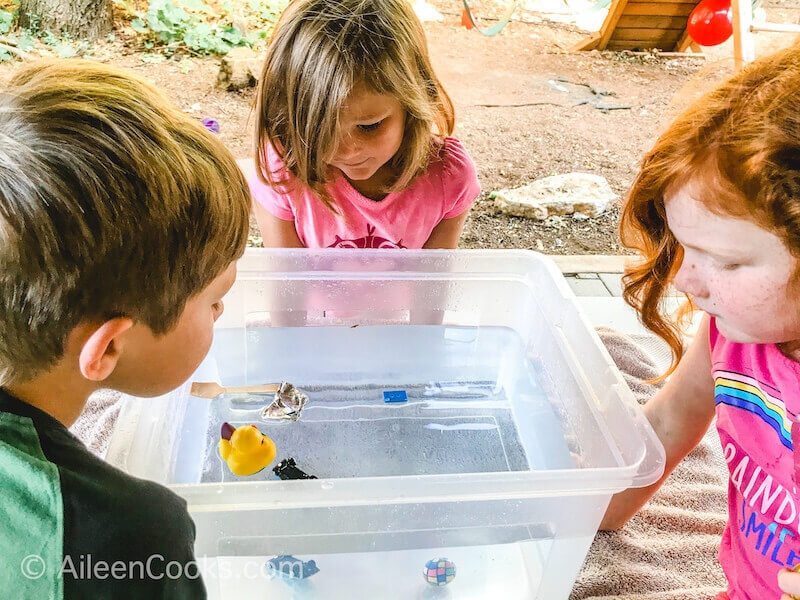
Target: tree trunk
[(79, 19)]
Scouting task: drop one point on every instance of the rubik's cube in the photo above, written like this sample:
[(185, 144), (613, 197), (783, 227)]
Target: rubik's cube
[(439, 572)]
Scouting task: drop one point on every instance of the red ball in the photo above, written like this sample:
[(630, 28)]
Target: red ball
[(711, 22)]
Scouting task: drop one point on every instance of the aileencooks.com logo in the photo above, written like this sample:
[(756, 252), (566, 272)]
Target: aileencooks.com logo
[(83, 567)]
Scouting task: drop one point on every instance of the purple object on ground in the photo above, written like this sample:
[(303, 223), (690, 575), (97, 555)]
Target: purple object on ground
[(211, 124)]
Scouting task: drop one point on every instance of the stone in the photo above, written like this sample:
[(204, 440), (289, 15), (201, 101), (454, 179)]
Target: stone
[(567, 194), (239, 68)]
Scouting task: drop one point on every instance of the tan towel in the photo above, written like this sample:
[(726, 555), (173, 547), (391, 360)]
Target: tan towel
[(669, 549)]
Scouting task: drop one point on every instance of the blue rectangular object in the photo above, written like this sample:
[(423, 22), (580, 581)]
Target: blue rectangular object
[(395, 396)]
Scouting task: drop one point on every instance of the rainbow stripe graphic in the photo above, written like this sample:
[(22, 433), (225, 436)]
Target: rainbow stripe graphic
[(741, 391)]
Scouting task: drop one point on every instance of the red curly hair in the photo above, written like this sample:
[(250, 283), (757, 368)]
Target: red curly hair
[(742, 141)]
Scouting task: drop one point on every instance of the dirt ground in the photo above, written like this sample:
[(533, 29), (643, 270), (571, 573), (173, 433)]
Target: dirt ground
[(526, 108)]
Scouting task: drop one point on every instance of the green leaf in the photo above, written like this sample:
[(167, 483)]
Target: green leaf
[(221, 46), (199, 37), (158, 22), (168, 37), (49, 39), (6, 18), (26, 43), (231, 35), (139, 26), (174, 14)]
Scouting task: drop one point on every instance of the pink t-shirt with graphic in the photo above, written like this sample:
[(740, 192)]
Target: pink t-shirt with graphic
[(403, 219), (757, 397)]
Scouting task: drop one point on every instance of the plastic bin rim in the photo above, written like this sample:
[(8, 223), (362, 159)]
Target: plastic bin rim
[(415, 488)]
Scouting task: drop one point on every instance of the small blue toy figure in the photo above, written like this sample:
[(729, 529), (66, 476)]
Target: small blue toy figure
[(288, 566), (439, 572)]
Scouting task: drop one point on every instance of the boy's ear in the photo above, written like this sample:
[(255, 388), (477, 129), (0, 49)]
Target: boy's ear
[(102, 349)]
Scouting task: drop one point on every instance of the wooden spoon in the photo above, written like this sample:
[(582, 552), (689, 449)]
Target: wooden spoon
[(211, 389)]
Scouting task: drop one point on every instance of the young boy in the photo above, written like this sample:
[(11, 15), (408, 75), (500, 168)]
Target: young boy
[(120, 221)]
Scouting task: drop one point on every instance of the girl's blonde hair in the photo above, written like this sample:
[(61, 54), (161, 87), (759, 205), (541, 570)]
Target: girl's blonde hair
[(742, 141), (319, 51)]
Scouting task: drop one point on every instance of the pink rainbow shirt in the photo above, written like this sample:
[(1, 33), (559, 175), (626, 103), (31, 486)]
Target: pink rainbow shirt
[(757, 395)]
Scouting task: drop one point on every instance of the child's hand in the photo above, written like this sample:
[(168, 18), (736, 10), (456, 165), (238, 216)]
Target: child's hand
[(789, 582)]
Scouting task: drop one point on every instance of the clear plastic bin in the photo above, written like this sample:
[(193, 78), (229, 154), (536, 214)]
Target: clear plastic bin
[(515, 430)]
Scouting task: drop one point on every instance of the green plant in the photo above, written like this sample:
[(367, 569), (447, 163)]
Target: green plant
[(11, 43), (6, 19), (165, 27), (268, 12), (24, 40), (193, 25)]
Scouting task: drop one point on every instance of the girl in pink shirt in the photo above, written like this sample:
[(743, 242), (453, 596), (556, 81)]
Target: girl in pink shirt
[(715, 211), (353, 126)]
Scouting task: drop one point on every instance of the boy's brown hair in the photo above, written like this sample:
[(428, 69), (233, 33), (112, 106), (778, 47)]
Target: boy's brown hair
[(112, 203)]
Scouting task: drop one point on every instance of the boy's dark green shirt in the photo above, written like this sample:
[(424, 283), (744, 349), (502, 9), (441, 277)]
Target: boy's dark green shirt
[(72, 526)]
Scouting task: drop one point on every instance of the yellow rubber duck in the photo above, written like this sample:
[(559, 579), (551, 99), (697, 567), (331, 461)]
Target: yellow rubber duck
[(245, 449)]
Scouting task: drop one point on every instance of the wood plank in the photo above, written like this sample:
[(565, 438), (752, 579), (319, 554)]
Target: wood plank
[(615, 11), (646, 35), (685, 43), (776, 27), (669, 53), (592, 263), (590, 43), (649, 22), (634, 45), (671, 9), (666, 41)]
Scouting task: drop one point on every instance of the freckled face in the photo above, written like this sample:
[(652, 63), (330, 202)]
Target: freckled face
[(372, 127), (734, 270)]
